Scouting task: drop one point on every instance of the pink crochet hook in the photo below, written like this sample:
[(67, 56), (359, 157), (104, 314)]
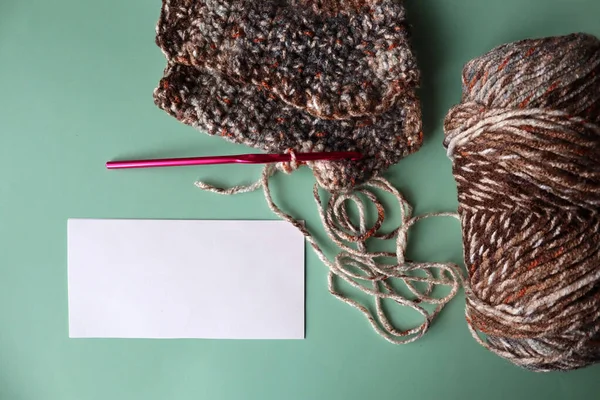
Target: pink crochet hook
[(235, 159)]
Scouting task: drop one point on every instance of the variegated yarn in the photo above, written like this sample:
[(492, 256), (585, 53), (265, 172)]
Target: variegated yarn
[(525, 144), (306, 75)]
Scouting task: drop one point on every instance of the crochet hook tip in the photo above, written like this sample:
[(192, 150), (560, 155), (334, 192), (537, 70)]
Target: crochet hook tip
[(357, 156)]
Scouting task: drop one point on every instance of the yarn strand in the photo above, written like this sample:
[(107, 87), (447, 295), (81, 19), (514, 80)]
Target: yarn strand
[(363, 269)]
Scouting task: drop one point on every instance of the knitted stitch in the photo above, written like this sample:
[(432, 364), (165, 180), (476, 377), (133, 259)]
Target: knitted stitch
[(335, 59), (525, 145)]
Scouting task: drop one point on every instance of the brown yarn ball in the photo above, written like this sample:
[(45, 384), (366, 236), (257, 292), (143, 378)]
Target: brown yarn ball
[(525, 145)]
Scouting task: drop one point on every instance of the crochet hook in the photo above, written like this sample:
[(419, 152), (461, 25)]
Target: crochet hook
[(235, 159)]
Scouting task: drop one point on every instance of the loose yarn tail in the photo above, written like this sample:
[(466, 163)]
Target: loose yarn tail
[(367, 270)]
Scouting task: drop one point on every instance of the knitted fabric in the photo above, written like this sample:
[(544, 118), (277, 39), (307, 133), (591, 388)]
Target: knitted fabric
[(333, 58), (246, 114), (248, 71), (525, 144)]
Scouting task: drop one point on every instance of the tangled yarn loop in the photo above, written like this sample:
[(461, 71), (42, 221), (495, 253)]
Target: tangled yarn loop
[(525, 145), (379, 274), (367, 271)]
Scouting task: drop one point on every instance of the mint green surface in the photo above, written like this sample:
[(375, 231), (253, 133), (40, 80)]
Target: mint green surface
[(76, 81)]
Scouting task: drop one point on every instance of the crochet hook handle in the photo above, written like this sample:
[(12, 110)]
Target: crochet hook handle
[(234, 159)]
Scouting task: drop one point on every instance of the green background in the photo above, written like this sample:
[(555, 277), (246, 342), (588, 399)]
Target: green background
[(76, 81)]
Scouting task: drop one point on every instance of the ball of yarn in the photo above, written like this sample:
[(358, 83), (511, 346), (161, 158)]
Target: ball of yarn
[(525, 145)]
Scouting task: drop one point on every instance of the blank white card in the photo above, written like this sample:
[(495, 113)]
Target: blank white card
[(185, 279)]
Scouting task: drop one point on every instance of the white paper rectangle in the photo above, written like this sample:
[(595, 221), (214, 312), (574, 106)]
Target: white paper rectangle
[(185, 279)]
